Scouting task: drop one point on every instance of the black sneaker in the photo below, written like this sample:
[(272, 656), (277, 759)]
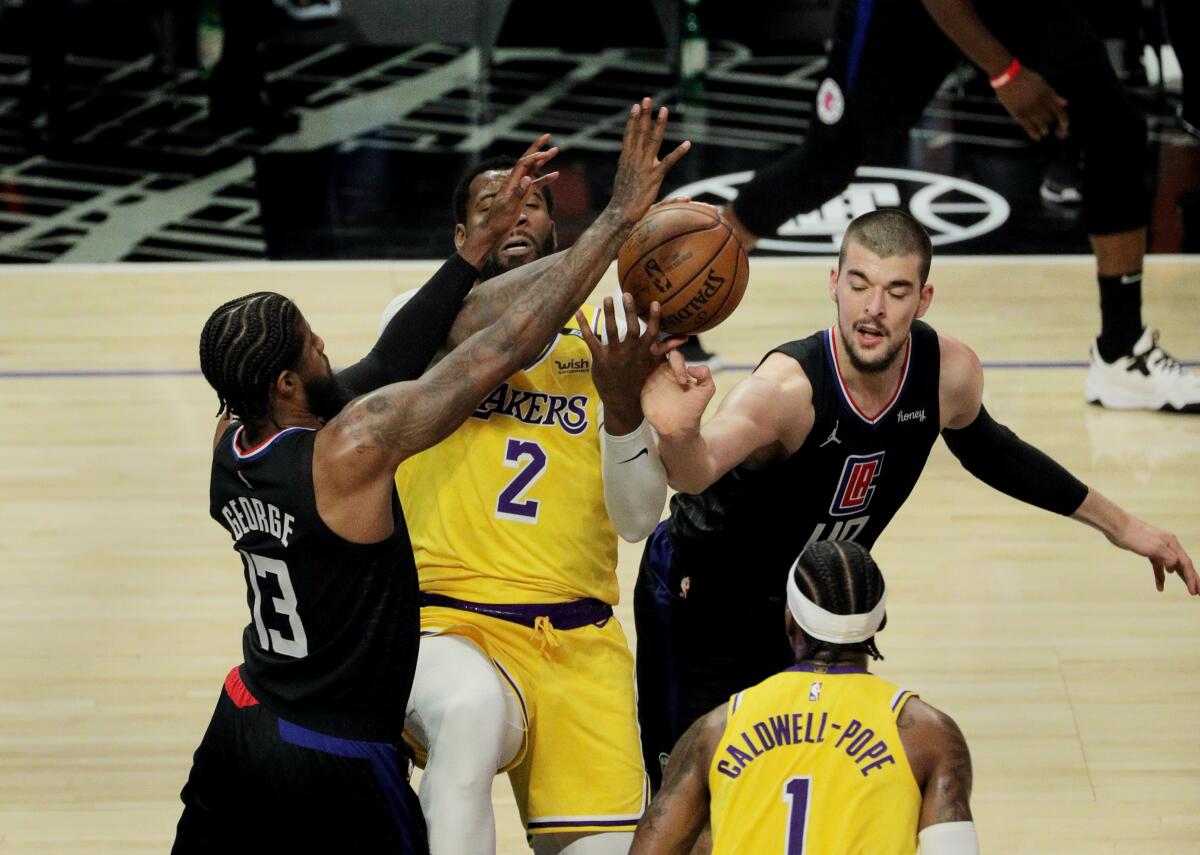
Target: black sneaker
[(694, 354)]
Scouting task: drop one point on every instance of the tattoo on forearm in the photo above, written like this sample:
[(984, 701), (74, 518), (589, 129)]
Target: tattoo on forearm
[(954, 784)]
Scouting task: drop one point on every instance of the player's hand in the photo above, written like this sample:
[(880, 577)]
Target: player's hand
[(639, 171), (1162, 548), (1034, 104), (675, 408), (620, 366), (508, 205)]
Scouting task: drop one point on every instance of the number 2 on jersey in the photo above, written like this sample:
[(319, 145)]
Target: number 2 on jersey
[(512, 504), (797, 792)]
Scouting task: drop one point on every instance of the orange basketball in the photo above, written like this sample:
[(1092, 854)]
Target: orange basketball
[(685, 256)]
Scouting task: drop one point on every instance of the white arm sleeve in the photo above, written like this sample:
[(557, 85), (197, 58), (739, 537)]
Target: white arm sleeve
[(396, 305), (949, 838), (635, 482)]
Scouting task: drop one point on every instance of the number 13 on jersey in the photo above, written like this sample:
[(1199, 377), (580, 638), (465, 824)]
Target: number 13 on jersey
[(528, 458)]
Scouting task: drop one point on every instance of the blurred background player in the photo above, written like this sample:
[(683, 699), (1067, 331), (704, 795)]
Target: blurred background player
[(824, 441), (514, 521), (1052, 74), (823, 756)]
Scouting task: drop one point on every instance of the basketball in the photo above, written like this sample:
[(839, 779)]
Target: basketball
[(685, 256)]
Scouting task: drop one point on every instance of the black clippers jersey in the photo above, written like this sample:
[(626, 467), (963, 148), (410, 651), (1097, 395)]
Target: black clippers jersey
[(332, 639), (845, 482)]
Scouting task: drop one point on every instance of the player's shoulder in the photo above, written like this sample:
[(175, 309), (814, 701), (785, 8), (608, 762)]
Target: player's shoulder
[(927, 723), (786, 375), (960, 365)]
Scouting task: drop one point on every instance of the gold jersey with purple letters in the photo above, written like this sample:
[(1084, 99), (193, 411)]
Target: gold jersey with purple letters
[(510, 507), (811, 762)]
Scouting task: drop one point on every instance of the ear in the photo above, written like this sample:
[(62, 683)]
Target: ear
[(925, 299), (460, 235), (833, 278), (288, 385), (553, 237)]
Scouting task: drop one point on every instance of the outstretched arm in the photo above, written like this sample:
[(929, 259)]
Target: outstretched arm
[(418, 330), (679, 811), (635, 483), (769, 414), (999, 458), (359, 450)]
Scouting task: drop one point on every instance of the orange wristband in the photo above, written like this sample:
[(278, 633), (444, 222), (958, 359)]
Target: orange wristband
[(1006, 76)]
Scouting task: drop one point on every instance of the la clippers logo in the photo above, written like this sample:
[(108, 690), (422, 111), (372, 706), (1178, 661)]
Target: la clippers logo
[(857, 484)]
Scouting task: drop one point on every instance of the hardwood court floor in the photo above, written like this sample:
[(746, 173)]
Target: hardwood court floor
[(121, 605)]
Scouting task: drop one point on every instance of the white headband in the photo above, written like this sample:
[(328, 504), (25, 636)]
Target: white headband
[(825, 625)]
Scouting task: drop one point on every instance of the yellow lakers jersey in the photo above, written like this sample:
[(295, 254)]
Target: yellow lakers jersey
[(510, 507), (811, 762)]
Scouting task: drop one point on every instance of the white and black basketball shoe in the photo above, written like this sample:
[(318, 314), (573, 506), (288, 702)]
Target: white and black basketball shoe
[(1148, 378)]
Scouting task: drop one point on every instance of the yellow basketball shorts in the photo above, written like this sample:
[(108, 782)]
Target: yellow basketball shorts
[(581, 768)]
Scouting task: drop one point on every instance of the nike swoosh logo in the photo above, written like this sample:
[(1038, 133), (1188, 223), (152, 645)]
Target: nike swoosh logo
[(635, 457)]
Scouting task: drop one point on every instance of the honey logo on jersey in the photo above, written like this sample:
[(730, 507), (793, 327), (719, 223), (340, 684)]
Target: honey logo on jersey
[(857, 484), (536, 408)]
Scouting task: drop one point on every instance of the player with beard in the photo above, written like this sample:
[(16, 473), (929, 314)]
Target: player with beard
[(824, 441), (302, 752), (514, 521)]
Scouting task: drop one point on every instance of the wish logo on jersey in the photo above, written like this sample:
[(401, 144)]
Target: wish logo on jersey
[(857, 484), (536, 408)]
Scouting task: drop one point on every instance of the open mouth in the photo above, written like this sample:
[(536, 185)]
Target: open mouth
[(869, 336), (516, 247)]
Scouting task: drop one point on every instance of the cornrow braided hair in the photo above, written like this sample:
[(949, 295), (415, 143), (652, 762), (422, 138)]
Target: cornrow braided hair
[(243, 347), (841, 577)]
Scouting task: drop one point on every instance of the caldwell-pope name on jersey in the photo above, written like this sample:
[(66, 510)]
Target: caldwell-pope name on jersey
[(536, 408), (855, 739)]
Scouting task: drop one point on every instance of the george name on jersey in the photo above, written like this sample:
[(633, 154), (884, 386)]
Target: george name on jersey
[(854, 740), (536, 408), (245, 515)]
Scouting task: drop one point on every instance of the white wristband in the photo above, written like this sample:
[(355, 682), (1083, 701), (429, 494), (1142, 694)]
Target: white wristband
[(949, 838)]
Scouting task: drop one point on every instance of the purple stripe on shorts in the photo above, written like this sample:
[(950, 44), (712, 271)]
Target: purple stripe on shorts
[(579, 823), (572, 615)]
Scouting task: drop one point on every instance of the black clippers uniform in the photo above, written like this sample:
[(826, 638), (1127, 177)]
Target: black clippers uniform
[(709, 600), (303, 752)]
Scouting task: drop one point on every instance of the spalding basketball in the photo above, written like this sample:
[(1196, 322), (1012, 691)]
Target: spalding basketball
[(685, 256)]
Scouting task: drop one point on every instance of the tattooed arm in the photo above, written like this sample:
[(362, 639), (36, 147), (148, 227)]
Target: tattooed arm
[(356, 454), (940, 760), (679, 812)]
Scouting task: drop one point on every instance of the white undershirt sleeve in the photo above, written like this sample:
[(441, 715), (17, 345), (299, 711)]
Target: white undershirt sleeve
[(635, 482)]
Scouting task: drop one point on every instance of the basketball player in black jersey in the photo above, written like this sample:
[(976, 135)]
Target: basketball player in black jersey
[(825, 440), (302, 751)]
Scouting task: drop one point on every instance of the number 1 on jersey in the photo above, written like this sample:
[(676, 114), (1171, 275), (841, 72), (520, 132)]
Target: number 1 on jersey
[(511, 505), (797, 792)]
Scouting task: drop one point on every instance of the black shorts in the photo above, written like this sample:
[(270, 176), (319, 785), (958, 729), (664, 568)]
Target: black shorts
[(261, 784), (695, 651)]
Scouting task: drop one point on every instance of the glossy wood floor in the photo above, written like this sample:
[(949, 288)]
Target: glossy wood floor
[(121, 606)]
